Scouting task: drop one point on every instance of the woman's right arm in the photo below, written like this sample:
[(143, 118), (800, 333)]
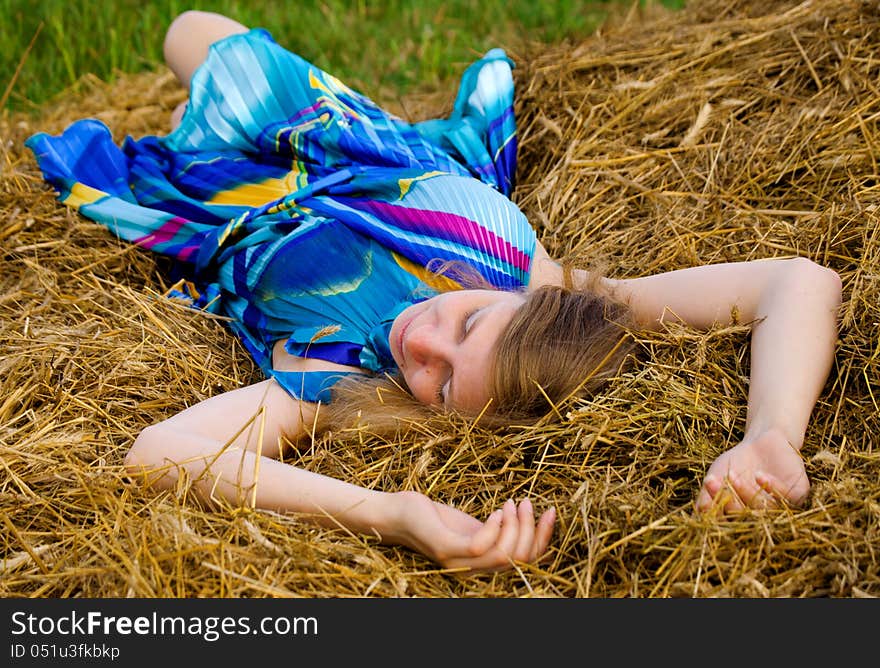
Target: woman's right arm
[(226, 447)]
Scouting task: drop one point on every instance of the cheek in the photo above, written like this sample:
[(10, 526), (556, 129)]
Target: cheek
[(420, 386)]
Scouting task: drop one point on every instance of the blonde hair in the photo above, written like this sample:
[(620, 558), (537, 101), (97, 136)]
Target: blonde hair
[(562, 343)]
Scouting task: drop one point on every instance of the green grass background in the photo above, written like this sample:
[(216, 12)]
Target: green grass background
[(379, 46)]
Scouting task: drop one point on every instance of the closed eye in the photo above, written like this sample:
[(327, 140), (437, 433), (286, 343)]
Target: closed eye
[(445, 388)]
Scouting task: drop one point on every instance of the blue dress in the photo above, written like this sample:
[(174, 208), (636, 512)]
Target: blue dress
[(300, 209)]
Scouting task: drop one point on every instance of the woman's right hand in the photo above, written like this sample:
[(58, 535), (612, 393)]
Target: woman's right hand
[(457, 540)]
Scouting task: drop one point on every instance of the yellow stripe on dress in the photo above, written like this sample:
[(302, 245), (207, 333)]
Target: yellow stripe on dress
[(438, 282), (406, 184), (258, 194), (333, 87), (82, 194)]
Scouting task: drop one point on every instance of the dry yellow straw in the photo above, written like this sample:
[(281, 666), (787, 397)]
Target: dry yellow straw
[(728, 131)]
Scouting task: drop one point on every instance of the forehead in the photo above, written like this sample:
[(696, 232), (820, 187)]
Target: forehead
[(495, 299)]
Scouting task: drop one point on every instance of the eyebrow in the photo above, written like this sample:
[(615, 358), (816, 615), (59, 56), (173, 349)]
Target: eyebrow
[(477, 318)]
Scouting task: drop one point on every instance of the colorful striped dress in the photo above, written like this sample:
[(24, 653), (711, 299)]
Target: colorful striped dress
[(302, 210)]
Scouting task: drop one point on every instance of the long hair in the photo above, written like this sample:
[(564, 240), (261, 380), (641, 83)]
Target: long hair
[(562, 343)]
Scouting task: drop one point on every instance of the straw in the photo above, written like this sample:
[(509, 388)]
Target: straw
[(726, 131)]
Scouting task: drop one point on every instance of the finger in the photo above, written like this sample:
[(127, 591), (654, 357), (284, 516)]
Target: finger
[(509, 530), (483, 540), (708, 493), (774, 487), (770, 494), (525, 515), (492, 555), (724, 498), (733, 502), (543, 534), (750, 493)]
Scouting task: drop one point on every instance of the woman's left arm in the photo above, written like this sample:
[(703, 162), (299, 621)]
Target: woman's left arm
[(792, 307)]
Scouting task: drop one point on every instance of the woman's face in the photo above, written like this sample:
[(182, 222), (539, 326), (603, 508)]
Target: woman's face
[(444, 345)]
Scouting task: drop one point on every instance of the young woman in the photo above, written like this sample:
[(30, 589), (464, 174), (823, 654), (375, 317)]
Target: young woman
[(378, 272)]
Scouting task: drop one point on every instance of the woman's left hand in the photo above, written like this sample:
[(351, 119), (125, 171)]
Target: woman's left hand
[(760, 472)]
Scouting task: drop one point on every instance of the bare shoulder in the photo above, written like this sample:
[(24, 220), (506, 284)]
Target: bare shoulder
[(544, 270)]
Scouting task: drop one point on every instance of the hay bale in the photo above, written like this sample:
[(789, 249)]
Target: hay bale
[(727, 131)]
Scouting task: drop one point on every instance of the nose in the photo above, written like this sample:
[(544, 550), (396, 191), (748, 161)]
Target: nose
[(426, 347)]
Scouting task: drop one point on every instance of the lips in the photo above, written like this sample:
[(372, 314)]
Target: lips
[(400, 338)]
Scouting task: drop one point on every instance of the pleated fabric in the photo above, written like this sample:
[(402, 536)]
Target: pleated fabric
[(301, 209)]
